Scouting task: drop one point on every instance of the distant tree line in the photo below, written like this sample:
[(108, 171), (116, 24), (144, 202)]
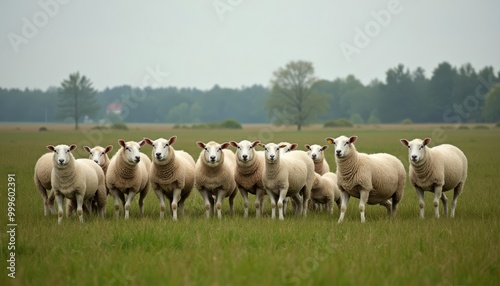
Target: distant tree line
[(450, 94)]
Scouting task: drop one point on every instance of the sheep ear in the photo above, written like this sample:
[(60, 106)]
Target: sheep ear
[(262, 145), (72, 147), (427, 141), (87, 149), (353, 139), (254, 143), (200, 144), (51, 148), (108, 148), (293, 146), (307, 146), (404, 142), (224, 145), (324, 147), (172, 140), (147, 140), (141, 143), (329, 140), (121, 142), (234, 144)]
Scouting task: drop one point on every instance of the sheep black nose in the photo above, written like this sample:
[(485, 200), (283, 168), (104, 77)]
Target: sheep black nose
[(245, 157), (271, 156), (313, 156), (137, 159), (61, 161), (212, 158), (96, 161), (338, 152), (158, 155), (414, 157)]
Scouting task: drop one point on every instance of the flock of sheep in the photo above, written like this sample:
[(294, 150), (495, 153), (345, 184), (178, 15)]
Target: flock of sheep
[(279, 171)]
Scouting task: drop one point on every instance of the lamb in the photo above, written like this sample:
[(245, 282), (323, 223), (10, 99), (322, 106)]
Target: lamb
[(316, 153), (171, 174), (214, 176), (42, 174), (373, 178), (77, 180), (248, 175), (438, 170), (288, 174), (325, 190), (128, 174)]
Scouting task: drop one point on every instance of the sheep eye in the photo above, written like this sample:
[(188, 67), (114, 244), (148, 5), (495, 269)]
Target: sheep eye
[(206, 149), (346, 143)]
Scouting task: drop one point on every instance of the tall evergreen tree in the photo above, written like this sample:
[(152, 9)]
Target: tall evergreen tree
[(77, 98)]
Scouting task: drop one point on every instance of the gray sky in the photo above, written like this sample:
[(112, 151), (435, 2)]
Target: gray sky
[(139, 42)]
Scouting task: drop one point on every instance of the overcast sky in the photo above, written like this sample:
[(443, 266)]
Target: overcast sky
[(235, 43)]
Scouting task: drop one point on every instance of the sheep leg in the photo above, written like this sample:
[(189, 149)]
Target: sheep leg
[(175, 200), (298, 204), (142, 195), (50, 203), (246, 203), (457, 191), (444, 200), (421, 202), (438, 191), (388, 205), (59, 199), (363, 199), (130, 196), (161, 198), (282, 196), (272, 199), (221, 194), (259, 202), (208, 202), (329, 206), (79, 207), (344, 199), (231, 201), (117, 198)]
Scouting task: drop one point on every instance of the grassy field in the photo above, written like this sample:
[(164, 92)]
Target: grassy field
[(236, 251)]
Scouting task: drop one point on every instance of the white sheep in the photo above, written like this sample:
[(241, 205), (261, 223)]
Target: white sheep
[(287, 147), (373, 178), (42, 174), (316, 153), (289, 174), (250, 165), (76, 180), (214, 176), (171, 174), (325, 190), (438, 169), (99, 155), (128, 174)]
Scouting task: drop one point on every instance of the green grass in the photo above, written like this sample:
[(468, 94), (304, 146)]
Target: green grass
[(237, 251)]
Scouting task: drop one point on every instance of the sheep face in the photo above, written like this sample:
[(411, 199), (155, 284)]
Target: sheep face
[(416, 149), (213, 151), (287, 147), (62, 153), (245, 150), (342, 145), (160, 147), (98, 153), (272, 152), (131, 151), (316, 152)]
